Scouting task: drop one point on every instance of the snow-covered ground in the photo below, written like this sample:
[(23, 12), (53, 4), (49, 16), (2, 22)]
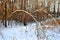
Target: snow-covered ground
[(20, 32)]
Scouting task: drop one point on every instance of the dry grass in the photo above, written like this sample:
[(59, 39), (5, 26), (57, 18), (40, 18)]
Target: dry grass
[(50, 23)]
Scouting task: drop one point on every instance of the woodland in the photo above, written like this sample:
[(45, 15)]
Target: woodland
[(30, 11)]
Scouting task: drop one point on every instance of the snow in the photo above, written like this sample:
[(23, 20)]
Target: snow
[(52, 35), (18, 32), (21, 32)]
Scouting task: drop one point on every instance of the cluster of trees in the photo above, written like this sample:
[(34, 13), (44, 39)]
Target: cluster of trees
[(38, 8), (29, 5)]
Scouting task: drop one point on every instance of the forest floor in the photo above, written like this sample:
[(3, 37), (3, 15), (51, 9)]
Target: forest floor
[(29, 32)]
